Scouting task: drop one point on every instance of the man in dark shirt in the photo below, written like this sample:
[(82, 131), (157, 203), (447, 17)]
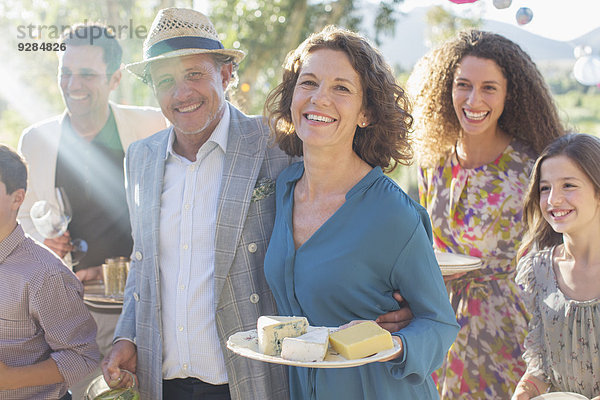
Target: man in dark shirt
[(91, 174)]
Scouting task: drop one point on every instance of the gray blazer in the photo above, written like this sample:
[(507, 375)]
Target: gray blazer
[(245, 217)]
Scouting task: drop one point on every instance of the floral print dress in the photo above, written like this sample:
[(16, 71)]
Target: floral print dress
[(563, 345), (478, 212)]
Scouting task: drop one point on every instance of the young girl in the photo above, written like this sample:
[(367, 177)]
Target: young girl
[(560, 273)]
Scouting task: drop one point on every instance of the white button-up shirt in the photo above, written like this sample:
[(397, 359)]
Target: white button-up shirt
[(188, 216)]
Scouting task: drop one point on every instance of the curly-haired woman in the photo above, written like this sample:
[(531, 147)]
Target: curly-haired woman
[(345, 235), (483, 113)]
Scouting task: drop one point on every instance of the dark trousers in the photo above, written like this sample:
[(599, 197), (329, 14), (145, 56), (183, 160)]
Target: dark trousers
[(193, 389)]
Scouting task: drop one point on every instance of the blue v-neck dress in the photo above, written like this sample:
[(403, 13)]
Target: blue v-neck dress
[(378, 241)]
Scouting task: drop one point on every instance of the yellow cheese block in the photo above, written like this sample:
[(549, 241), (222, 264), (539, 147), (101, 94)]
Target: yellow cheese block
[(361, 340)]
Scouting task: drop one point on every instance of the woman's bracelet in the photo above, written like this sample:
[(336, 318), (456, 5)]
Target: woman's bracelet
[(526, 386)]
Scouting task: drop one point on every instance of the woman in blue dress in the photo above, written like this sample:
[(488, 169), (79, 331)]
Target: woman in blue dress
[(346, 236)]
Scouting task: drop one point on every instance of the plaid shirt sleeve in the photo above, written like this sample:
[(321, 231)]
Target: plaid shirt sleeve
[(68, 327)]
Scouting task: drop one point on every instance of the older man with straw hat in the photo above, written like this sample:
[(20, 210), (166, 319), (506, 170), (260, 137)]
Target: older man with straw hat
[(202, 205)]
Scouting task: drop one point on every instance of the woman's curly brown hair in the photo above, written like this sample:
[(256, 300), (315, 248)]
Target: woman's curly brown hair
[(385, 141), (529, 111)]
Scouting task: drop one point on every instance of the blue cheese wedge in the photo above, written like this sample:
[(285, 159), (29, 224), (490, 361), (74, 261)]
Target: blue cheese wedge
[(273, 329), (310, 347)]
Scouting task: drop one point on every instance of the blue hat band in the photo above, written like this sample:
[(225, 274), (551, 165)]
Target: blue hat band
[(182, 42)]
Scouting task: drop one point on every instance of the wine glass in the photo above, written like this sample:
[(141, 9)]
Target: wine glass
[(48, 220), (52, 222), (80, 246)]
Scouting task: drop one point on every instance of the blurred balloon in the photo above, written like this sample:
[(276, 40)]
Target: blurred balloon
[(587, 70), (463, 1), (500, 4), (581, 51), (524, 15)]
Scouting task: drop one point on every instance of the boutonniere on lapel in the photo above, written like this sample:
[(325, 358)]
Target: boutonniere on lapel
[(263, 189)]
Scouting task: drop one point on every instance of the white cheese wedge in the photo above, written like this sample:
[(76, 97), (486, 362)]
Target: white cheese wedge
[(273, 329), (312, 346)]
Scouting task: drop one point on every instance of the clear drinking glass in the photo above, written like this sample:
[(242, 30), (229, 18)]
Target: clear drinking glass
[(48, 220), (52, 222)]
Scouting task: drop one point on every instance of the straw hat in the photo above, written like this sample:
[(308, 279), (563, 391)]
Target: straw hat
[(178, 32)]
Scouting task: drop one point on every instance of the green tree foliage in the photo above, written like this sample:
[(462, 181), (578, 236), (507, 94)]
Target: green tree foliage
[(268, 29), (580, 110), (385, 20), (265, 29), (32, 75), (443, 25)]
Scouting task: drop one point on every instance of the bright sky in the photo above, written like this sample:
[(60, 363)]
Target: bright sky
[(555, 19)]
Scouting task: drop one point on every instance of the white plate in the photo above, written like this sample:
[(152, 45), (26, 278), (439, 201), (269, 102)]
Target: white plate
[(456, 270), (246, 345), (560, 396), (451, 263), (455, 260)]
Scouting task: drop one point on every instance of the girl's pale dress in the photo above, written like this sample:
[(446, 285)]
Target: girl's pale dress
[(562, 347)]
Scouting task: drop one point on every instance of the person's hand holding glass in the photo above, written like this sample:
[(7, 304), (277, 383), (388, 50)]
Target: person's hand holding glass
[(52, 222)]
